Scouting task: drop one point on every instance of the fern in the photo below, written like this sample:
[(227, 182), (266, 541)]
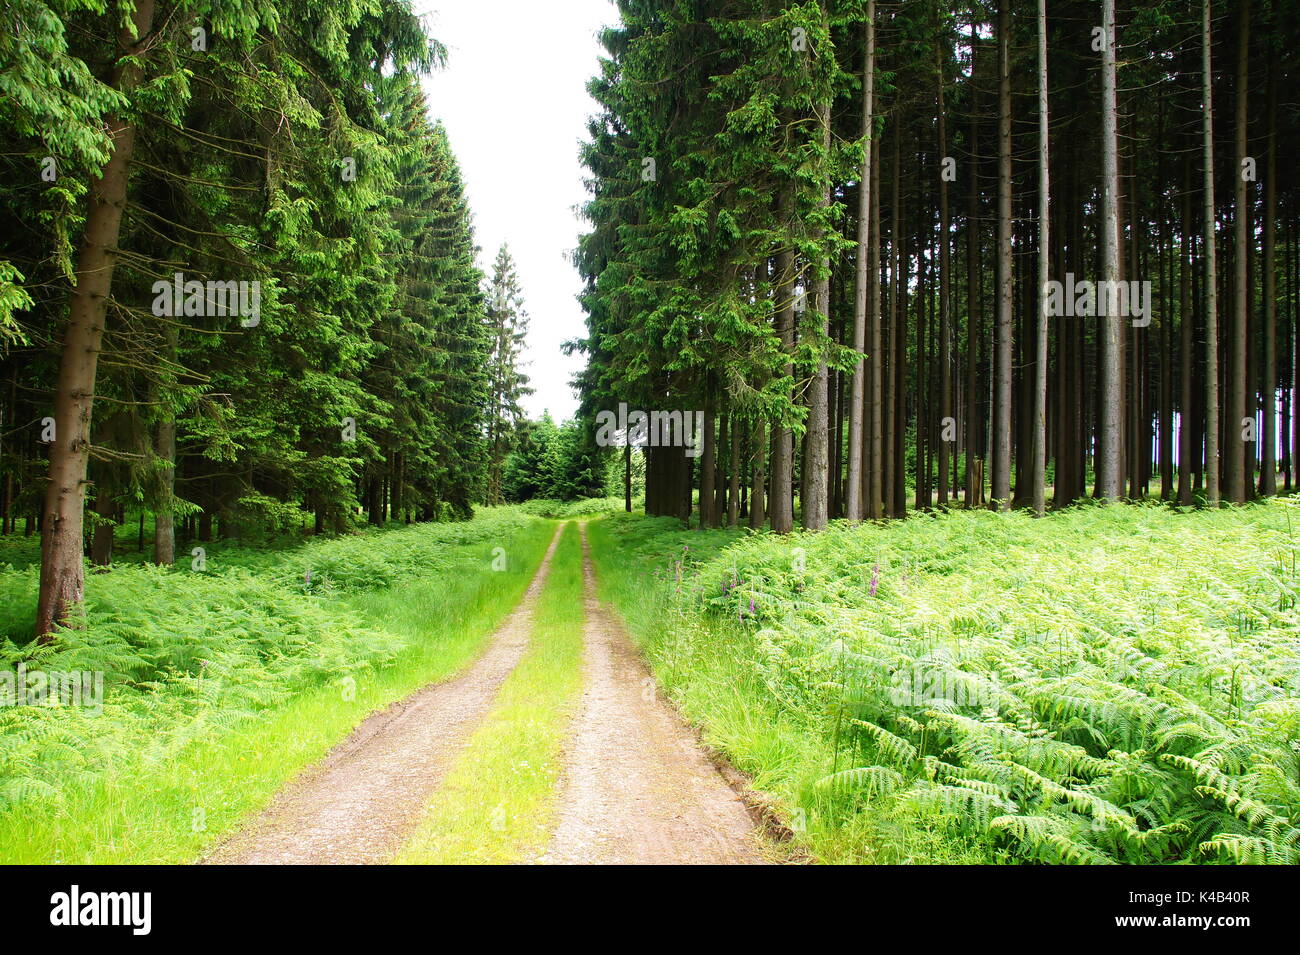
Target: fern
[(1125, 676)]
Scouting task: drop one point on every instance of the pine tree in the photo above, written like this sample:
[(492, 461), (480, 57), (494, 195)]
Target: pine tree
[(508, 327)]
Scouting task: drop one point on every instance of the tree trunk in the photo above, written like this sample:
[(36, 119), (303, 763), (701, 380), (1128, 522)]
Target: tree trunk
[(627, 475), (873, 467), (733, 471), (164, 520), (1212, 456), (974, 422), (709, 459), (1109, 435), (945, 305), (757, 497), (816, 502), (1238, 375), (855, 510), (1186, 346), (1268, 463), (1044, 233), (1001, 494), (62, 572), (101, 549), (781, 503)]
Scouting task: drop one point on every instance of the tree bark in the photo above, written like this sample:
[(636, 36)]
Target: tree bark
[(1186, 347), (855, 510), (945, 305), (1268, 463), (1237, 377), (733, 471), (101, 548), (709, 459), (1110, 436), (1212, 455), (781, 503), (974, 422), (1044, 246), (1001, 494), (757, 496), (62, 571), (816, 502)]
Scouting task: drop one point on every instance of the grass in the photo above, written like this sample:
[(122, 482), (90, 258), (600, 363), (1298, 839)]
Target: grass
[(582, 507), (233, 681), (497, 805), (1110, 684)]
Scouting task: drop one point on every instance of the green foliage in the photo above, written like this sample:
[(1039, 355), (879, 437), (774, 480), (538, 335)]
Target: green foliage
[(726, 102), (303, 160), (507, 324), (583, 507), (556, 462), (187, 654), (1112, 684)]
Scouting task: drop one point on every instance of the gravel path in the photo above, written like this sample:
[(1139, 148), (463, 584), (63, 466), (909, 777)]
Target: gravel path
[(358, 804), (637, 787)]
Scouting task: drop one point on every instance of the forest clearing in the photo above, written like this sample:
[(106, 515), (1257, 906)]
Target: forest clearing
[(650, 432)]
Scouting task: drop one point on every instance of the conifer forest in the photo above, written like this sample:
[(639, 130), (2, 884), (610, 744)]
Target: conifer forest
[(657, 432)]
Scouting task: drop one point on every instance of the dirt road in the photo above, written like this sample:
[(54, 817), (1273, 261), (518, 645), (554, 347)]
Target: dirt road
[(358, 804), (637, 787)]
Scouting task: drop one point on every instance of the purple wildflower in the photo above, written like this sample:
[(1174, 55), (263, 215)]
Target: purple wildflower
[(875, 578)]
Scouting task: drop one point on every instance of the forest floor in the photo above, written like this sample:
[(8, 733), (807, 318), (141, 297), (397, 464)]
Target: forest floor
[(635, 787)]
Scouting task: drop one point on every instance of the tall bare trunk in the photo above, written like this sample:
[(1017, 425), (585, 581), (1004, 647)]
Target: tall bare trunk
[(1187, 446), (1211, 271), (974, 424), (816, 499), (857, 396), (1044, 237), (62, 571), (1109, 436), (875, 469), (1002, 357), (945, 306), (781, 504), (1268, 464), (1237, 376)]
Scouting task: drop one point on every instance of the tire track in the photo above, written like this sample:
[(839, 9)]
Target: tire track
[(358, 804), (637, 788)]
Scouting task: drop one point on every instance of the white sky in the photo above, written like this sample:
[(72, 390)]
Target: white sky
[(513, 98)]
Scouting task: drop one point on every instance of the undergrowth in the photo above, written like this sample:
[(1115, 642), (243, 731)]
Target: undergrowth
[(191, 656), (1107, 685), (583, 507)]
